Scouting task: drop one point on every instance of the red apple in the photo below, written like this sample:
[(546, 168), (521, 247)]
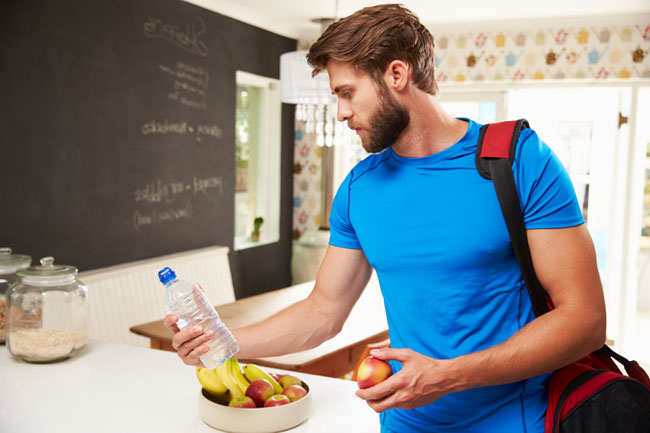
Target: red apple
[(294, 392), (277, 400), (372, 371), (275, 376), (260, 390), (288, 380), (242, 402)]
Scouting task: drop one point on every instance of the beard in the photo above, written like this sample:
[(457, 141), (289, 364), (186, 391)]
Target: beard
[(386, 124)]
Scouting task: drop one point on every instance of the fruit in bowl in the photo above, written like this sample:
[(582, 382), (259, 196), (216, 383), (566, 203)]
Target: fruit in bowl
[(253, 372), (213, 385), (228, 383), (260, 390), (294, 392), (277, 400), (288, 380), (244, 400)]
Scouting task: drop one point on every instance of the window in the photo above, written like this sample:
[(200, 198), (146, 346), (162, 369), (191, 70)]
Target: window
[(257, 160), (482, 107), (582, 130)]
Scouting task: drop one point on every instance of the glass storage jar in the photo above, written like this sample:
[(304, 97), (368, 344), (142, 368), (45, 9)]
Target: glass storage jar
[(9, 264), (48, 313)]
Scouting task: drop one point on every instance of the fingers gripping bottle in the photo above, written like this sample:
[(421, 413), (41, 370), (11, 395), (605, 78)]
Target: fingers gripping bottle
[(190, 304)]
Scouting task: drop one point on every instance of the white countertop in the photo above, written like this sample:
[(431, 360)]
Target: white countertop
[(121, 389)]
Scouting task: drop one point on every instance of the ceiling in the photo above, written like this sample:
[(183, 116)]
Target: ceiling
[(294, 18)]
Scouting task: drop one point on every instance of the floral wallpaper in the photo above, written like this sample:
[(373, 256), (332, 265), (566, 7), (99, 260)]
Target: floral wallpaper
[(546, 53), (306, 181)]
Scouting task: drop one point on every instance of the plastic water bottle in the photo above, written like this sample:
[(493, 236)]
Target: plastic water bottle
[(189, 303)]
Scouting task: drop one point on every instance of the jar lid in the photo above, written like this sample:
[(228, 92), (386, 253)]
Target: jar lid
[(48, 271), (10, 263)]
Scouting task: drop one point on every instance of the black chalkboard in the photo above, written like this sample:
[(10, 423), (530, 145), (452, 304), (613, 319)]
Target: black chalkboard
[(117, 126)]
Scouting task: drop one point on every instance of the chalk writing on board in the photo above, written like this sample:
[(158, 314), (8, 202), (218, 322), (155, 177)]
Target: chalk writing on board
[(159, 216), (186, 37), (189, 102), (167, 127), (189, 84), (196, 75), (202, 185), (210, 131), (160, 191)]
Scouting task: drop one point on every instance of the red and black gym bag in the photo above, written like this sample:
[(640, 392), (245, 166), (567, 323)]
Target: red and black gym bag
[(590, 395)]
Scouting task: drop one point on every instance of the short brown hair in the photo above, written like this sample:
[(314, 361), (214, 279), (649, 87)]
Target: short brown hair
[(373, 37)]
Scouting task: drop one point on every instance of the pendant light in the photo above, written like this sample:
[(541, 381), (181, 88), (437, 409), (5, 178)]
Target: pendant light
[(315, 104)]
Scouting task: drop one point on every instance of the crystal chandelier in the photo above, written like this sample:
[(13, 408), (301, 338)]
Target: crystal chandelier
[(315, 104)]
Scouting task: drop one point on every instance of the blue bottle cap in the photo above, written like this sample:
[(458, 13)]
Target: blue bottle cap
[(166, 275)]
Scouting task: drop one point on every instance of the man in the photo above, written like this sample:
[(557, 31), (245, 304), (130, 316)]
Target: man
[(469, 354)]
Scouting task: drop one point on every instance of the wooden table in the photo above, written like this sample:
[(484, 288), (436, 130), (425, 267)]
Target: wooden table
[(334, 358)]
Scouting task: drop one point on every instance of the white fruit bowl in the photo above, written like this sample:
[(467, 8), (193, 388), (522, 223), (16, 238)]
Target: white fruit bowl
[(257, 420)]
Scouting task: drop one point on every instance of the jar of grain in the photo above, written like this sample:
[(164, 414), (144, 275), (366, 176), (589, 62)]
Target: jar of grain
[(9, 264), (47, 316)]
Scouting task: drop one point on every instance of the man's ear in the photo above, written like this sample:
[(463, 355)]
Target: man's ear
[(397, 75)]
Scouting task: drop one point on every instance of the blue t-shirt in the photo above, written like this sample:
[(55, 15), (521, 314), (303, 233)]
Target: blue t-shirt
[(433, 231)]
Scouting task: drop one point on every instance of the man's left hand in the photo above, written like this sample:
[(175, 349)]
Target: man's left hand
[(421, 381)]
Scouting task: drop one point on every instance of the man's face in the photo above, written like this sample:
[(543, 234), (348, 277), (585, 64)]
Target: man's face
[(377, 117)]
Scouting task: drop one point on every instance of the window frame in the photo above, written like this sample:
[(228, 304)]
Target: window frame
[(267, 187)]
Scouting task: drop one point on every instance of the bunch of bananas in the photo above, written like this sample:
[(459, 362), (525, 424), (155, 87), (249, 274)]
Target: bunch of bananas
[(228, 381)]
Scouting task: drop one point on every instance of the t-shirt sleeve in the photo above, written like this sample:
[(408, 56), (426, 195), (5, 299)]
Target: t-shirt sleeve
[(548, 199), (342, 233)]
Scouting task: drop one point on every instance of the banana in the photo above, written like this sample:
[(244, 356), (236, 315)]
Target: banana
[(254, 372), (224, 375), (237, 375), (211, 382)]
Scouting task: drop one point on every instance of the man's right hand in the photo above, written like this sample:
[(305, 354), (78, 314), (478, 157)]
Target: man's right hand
[(341, 279), (190, 343)]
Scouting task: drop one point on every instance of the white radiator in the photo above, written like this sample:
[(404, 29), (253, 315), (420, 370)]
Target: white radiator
[(130, 294)]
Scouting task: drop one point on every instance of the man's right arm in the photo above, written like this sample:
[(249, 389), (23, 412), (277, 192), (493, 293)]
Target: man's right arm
[(304, 325)]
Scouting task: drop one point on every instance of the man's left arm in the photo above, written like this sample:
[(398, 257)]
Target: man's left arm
[(565, 264)]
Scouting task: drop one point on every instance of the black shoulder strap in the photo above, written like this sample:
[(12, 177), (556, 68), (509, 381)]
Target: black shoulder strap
[(495, 153)]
